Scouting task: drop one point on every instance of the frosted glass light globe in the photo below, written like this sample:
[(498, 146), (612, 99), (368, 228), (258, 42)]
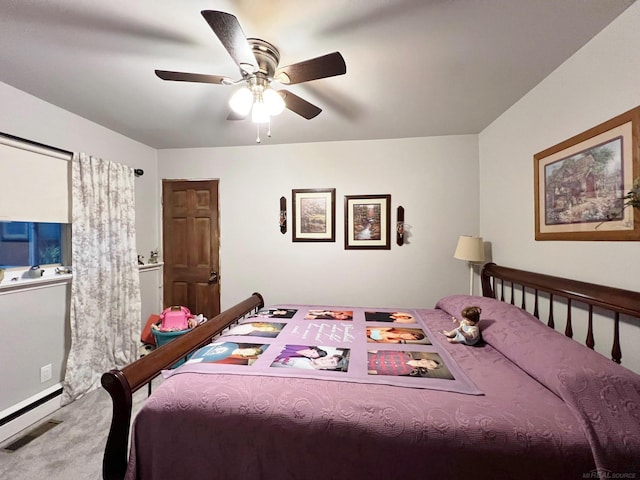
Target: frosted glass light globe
[(241, 101), (273, 100), (259, 113)]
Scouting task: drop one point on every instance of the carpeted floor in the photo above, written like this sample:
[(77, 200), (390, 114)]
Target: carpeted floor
[(71, 450)]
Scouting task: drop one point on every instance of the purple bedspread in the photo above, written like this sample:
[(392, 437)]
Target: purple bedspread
[(525, 426), (605, 397)]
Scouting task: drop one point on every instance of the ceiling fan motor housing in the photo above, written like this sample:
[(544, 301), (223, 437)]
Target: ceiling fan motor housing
[(267, 56)]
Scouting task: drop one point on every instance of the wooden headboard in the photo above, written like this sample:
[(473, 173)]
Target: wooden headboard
[(506, 284)]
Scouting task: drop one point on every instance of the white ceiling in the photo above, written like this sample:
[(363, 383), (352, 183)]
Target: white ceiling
[(414, 67)]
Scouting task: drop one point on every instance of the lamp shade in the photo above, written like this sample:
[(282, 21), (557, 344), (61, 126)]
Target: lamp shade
[(470, 249)]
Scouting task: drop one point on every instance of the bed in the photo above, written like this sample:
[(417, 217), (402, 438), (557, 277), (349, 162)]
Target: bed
[(538, 404)]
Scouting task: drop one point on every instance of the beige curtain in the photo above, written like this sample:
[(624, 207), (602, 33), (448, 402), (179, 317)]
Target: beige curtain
[(105, 292)]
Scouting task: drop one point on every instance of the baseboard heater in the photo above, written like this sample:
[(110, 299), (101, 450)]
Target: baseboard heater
[(31, 406)]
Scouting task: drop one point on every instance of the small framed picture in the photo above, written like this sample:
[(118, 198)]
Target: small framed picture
[(367, 221), (314, 215)]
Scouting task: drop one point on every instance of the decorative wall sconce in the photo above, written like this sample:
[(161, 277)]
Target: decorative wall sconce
[(283, 215), (400, 226)]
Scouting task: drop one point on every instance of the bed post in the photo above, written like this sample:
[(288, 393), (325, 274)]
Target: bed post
[(114, 462), (122, 383), (485, 277)]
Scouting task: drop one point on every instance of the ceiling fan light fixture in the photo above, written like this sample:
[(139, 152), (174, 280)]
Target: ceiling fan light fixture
[(241, 101), (274, 102), (259, 112), (258, 61)]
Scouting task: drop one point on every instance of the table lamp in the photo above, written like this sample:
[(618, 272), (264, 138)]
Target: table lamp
[(470, 249)]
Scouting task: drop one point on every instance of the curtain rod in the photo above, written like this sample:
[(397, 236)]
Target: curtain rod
[(138, 172), (36, 144)]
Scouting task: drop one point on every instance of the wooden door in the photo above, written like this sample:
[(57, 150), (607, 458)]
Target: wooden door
[(190, 245)]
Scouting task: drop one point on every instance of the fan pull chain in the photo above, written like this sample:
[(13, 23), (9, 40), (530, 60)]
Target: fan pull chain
[(258, 131)]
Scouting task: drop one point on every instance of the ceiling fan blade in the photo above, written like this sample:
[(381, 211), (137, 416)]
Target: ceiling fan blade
[(229, 31), (328, 65), (299, 105), (193, 77)]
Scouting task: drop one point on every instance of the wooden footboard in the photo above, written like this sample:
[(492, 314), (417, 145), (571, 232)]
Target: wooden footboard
[(507, 281), (121, 384)]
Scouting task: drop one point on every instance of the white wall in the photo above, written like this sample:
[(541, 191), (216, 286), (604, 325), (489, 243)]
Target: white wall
[(37, 334), (37, 321), (599, 82), (434, 179), (28, 117)]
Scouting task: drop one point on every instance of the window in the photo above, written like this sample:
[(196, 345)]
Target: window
[(33, 243), (37, 229)]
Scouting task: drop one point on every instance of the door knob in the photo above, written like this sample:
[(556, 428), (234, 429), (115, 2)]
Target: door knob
[(213, 277)]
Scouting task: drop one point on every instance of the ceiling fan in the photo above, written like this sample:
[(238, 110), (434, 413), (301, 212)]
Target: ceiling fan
[(258, 62)]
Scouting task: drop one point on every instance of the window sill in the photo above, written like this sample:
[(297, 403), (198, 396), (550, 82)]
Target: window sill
[(50, 278), (8, 286), (150, 266)]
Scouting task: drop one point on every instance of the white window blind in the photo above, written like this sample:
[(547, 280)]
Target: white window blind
[(35, 183)]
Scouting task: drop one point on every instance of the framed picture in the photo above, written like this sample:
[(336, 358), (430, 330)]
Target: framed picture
[(580, 183), (314, 215), (15, 231), (367, 221)]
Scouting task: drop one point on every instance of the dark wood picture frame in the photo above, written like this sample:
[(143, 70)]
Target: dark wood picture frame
[(579, 183), (314, 215), (367, 222)]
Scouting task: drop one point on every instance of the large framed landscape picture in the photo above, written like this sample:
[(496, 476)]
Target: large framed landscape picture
[(580, 183)]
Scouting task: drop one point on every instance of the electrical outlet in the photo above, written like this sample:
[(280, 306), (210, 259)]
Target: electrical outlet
[(45, 373)]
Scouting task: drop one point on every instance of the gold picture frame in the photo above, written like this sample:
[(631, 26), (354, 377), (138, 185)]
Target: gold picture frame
[(579, 184)]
